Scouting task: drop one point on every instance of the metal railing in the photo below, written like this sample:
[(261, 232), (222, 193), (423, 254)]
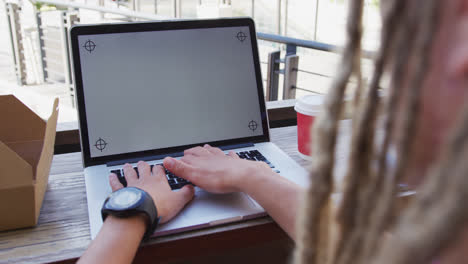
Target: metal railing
[(16, 41), (70, 16)]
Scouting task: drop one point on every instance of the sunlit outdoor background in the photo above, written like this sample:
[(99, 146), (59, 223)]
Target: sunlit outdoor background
[(35, 64)]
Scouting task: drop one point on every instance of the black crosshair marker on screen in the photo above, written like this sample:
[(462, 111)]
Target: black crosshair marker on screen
[(241, 36), (89, 46), (253, 125), (100, 144)]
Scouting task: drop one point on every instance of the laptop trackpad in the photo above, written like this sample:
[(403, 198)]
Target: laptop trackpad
[(210, 202), (208, 207)]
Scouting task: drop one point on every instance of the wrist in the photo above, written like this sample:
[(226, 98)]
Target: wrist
[(135, 224), (254, 172)]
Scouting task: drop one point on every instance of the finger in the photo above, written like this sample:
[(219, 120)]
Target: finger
[(114, 182), (144, 169), (130, 173), (159, 173), (189, 159), (213, 150), (233, 154), (196, 151), (185, 195), (179, 168)]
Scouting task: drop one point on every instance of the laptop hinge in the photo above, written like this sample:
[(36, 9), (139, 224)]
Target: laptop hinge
[(174, 155), (236, 146)]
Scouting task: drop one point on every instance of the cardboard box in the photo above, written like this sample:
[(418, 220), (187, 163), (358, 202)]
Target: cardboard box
[(26, 151)]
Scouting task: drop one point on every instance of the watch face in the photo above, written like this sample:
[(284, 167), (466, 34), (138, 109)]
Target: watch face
[(124, 198)]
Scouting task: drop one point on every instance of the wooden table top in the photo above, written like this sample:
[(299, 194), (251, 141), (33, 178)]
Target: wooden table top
[(62, 234)]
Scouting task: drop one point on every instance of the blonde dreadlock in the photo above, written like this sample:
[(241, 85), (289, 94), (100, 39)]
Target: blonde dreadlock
[(313, 245)]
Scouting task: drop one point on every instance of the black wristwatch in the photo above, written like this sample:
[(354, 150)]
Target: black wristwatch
[(131, 201)]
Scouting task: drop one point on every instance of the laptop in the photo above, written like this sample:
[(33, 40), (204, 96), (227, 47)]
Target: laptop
[(145, 91)]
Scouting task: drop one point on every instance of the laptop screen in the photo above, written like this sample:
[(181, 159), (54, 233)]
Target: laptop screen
[(153, 90)]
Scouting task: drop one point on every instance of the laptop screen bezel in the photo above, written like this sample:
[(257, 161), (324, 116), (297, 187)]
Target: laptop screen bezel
[(159, 26)]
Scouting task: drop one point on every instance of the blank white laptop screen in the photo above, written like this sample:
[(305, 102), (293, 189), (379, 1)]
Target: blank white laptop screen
[(158, 89)]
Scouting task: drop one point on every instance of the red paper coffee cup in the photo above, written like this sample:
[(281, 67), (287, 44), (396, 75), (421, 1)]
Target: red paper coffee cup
[(307, 108)]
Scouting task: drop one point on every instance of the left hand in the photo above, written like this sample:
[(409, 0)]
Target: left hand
[(168, 203)]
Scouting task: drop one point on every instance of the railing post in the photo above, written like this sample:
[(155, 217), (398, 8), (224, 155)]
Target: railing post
[(16, 38), (253, 8), (316, 19), (136, 5), (101, 3), (278, 17), (10, 30), (290, 76), (291, 49), (177, 8), (67, 21), (40, 43), (272, 79), (286, 17)]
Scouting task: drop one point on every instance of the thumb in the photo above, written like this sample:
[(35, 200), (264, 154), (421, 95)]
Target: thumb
[(233, 154), (114, 182), (185, 195)]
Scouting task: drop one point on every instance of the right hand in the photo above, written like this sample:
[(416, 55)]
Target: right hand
[(212, 170)]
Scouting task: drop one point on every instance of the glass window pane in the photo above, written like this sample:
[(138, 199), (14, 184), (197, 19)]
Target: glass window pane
[(165, 8), (266, 16), (241, 7), (301, 19), (332, 16), (189, 8)]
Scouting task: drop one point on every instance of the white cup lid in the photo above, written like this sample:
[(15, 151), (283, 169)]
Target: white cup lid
[(309, 104)]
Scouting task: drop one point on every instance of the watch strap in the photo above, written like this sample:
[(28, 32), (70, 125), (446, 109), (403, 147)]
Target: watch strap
[(146, 206)]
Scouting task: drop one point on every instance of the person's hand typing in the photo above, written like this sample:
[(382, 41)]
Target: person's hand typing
[(168, 202), (212, 170)]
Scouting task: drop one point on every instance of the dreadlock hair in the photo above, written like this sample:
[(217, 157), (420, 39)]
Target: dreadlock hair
[(367, 208), (313, 243)]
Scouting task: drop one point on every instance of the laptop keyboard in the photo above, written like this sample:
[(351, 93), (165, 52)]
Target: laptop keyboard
[(177, 182), (174, 181)]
